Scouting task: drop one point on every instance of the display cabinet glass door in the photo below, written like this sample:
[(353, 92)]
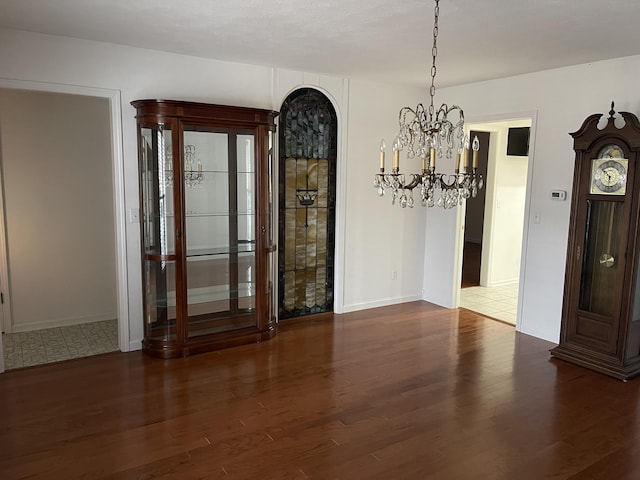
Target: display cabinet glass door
[(158, 232), (220, 218)]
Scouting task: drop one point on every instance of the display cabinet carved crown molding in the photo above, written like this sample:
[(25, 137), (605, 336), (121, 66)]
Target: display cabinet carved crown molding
[(206, 202), (600, 326)]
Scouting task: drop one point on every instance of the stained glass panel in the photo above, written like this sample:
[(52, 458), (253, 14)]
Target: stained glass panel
[(308, 133)]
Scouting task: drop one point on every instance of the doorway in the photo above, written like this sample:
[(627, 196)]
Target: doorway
[(494, 225), (474, 219), (36, 228)]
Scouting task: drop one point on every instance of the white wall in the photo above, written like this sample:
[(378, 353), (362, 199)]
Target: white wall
[(381, 238), (56, 164), (508, 218), (368, 112), (563, 98)]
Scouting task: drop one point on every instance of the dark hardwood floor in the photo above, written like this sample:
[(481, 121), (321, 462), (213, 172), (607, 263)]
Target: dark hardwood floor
[(411, 391)]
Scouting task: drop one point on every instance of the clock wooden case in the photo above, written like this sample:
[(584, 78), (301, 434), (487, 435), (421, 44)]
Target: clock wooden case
[(600, 326), (206, 208)]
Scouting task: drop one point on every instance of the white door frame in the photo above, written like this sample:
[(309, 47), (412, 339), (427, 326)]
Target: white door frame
[(459, 242), (115, 107), (5, 306)]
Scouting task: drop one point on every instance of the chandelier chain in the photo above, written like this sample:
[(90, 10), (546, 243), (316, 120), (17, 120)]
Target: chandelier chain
[(434, 54)]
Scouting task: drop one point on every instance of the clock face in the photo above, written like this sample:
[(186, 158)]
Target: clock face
[(609, 176)]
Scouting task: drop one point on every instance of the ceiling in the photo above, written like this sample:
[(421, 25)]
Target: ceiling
[(383, 40)]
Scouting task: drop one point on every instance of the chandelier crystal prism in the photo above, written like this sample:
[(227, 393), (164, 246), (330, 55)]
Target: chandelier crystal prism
[(427, 133)]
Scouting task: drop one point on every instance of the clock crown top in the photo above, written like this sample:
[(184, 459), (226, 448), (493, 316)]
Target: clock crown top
[(589, 132), (612, 112)]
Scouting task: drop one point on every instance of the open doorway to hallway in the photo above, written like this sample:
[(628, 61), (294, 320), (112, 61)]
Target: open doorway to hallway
[(493, 223), (58, 227)]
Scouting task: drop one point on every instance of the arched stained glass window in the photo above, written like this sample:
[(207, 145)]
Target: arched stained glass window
[(307, 202)]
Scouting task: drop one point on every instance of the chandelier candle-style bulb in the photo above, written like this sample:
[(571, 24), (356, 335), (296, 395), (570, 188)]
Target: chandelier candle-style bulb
[(432, 159), (396, 155), (383, 146), (476, 147), (458, 158), (465, 155)]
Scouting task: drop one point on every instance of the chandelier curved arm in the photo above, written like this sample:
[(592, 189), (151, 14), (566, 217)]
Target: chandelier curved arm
[(452, 183), (416, 180), (444, 111)]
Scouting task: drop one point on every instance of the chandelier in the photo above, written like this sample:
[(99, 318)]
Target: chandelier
[(428, 134)]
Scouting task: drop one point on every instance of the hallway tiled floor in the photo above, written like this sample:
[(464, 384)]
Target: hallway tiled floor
[(498, 302), (25, 349)]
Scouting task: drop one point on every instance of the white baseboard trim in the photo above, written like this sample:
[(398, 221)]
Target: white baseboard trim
[(135, 345), (502, 283), (544, 335), (379, 303), (62, 322)]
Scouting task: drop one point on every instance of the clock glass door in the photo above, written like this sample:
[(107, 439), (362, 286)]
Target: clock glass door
[(600, 265)]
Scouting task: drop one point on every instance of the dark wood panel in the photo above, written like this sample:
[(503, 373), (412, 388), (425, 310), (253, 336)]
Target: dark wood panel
[(225, 115), (597, 331), (409, 391)]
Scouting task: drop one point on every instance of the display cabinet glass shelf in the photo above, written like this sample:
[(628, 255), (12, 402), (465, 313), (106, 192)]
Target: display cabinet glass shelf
[(206, 213)]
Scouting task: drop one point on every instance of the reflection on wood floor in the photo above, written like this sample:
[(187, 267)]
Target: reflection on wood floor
[(411, 391)]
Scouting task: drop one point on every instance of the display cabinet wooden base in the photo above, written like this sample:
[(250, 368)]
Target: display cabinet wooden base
[(206, 212), (600, 326)]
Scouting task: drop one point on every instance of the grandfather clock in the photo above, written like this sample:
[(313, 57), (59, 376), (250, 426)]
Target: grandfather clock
[(601, 310)]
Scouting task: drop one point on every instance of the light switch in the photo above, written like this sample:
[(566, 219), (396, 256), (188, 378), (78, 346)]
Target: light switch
[(134, 215)]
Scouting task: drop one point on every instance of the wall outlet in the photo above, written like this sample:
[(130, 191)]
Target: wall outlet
[(394, 274)]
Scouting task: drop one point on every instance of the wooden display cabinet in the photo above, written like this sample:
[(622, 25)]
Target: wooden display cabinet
[(206, 212)]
